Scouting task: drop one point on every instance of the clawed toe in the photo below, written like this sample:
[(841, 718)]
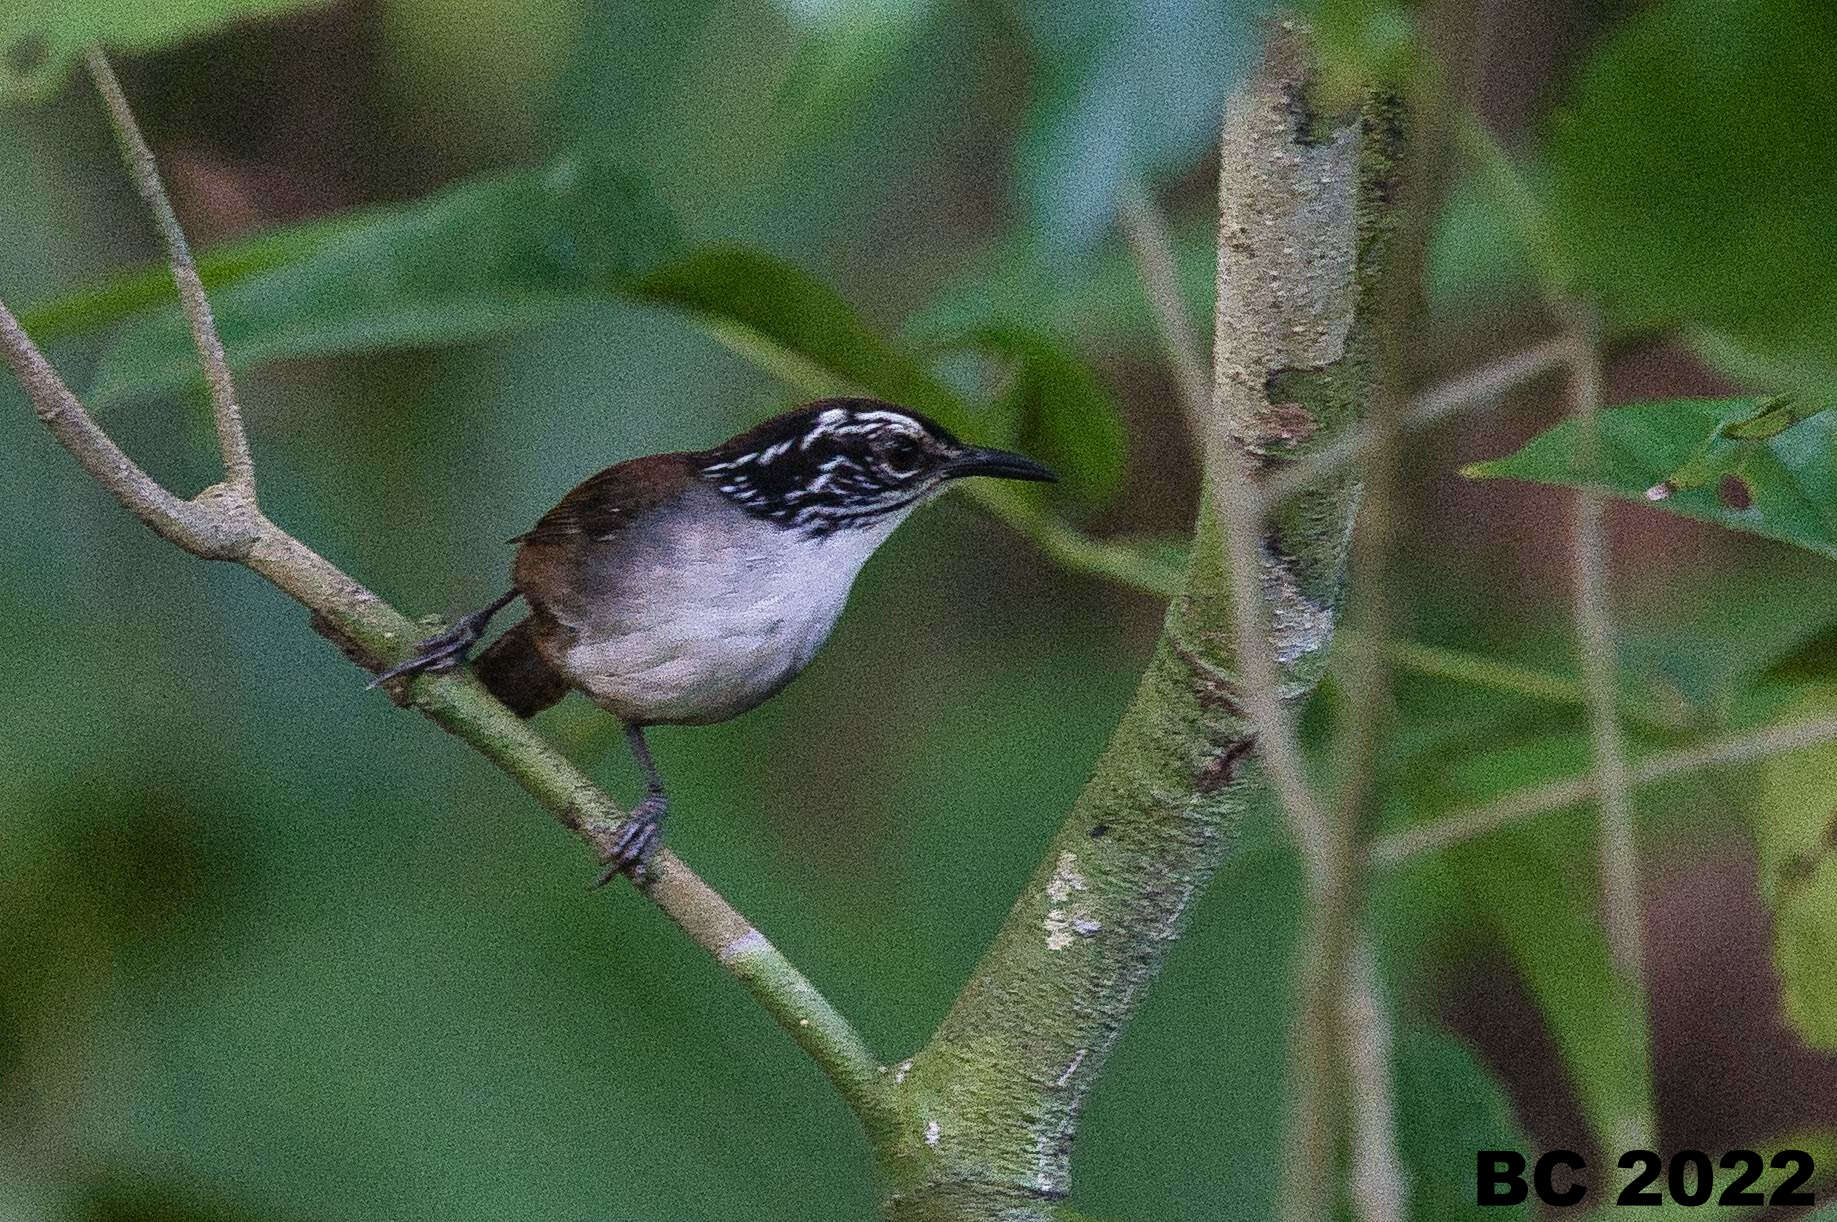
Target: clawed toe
[(449, 649), (639, 838), (437, 653)]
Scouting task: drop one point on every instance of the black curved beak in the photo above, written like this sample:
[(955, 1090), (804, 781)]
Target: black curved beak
[(999, 464)]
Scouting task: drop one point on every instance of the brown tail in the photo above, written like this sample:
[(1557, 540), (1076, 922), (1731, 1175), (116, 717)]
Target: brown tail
[(516, 673)]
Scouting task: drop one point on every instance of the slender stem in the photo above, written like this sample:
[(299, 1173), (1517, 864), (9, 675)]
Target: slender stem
[(1233, 493), (238, 465), (1513, 195), (1375, 1176), (369, 629), (1401, 847), (194, 526), (1310, 1149), (1466, 390), (821, 1030), (1619, 859), (1152, 571), (1234, 497), (1275, 369), (1379, 1192), (1480, 671), (1250, 570), (1152, 247)]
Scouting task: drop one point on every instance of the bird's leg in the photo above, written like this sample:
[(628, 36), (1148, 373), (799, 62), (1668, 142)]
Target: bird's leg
[(449, 649), (643, 828)]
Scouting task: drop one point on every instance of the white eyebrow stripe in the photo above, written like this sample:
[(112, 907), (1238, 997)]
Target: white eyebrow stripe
[(895, 418)]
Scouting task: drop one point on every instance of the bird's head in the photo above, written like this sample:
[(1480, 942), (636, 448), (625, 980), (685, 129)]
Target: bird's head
[(841, 463)]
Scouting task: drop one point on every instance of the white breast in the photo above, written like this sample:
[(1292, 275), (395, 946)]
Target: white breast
[(713, 614)]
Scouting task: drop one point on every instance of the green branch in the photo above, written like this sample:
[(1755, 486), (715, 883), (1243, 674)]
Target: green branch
[(224, 523)]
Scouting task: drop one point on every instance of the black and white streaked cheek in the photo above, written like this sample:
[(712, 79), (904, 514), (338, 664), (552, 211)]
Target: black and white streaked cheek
[(848, 468)]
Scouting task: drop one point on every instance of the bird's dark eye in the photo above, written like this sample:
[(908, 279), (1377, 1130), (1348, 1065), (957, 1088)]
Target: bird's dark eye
[(901, 455)]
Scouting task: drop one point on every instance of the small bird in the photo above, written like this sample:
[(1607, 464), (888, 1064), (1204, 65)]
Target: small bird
[(687, 588)]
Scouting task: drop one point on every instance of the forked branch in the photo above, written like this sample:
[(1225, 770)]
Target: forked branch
[(224, 523)]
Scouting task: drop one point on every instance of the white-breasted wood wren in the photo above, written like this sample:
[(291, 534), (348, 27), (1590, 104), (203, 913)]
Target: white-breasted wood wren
[(686, 588)]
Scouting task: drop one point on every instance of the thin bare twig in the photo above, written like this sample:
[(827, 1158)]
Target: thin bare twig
[(1321, 838), (196, 527), (1478, 670), (1315, 1041), (238, 465), (1456, 394), (1379, 1192), (229, 529), (1278, 747), (1619, 855), (1462, 826), (1376, 1173), (1232, 490), (1152, 247)]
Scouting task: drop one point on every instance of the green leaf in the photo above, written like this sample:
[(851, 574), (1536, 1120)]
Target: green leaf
[(1798, 874), (479, 259), (1533, 885), (1124, 89), (39, 41), (798, 328), (1762, 361), (1448, 1108), (1359, 43), (1543, 908), (1053, 408), (1712, 641), (845, 46), (493, 255), (1783, 487), (91, 310), (1519, 196), (1693, 172)]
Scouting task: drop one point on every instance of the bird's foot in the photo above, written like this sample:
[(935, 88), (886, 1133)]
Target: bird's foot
[(639, 837), (443, 652)]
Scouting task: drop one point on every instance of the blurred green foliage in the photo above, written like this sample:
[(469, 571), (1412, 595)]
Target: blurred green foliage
[(1691, 178), (1793, 836), (270, 949), (38, 43), (486, 258), (1120, 92)]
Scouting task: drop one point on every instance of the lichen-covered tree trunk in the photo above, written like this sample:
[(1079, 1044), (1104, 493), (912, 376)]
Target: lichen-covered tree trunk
[(988, 1108)]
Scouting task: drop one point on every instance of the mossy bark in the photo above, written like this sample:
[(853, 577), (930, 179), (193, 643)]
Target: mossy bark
[(988, 1108)]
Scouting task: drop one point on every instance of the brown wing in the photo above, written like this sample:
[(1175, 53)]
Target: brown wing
[(602, 505), (557, 559)]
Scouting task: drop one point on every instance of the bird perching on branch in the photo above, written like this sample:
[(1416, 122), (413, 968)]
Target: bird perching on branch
[(687, 588)]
